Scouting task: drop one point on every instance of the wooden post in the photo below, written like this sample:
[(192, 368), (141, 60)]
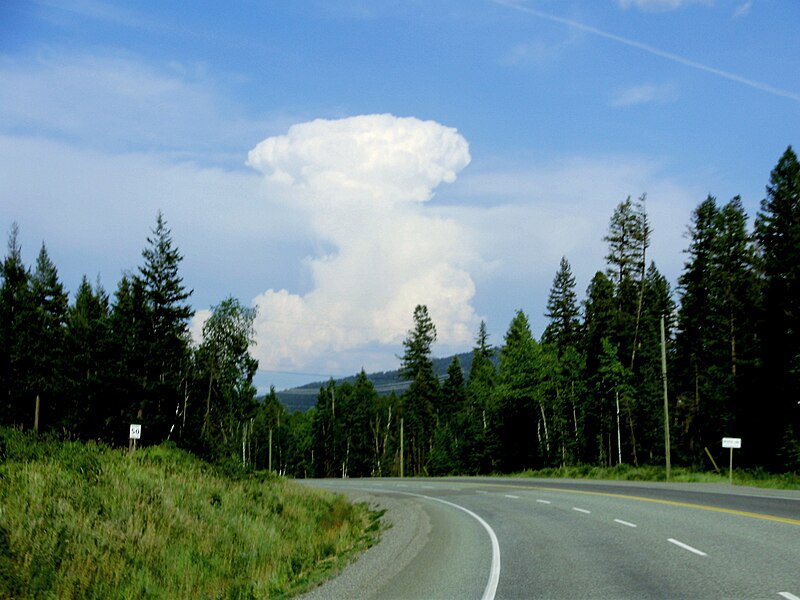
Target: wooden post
[(36, 416)]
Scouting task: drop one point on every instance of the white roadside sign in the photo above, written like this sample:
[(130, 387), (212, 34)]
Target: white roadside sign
[(731, 442), (136, 431)]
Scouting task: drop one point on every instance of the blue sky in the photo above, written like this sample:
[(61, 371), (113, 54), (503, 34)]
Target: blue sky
[(336, 163)]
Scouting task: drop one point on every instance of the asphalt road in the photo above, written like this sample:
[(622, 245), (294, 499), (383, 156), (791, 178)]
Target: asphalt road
[(524, 538)]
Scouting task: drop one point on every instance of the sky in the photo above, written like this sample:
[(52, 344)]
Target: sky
[(335, 164)]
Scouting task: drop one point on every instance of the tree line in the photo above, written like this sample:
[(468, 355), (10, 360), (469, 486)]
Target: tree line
[(589, 390)]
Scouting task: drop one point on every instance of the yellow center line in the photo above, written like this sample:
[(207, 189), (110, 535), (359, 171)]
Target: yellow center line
[(730, 511)]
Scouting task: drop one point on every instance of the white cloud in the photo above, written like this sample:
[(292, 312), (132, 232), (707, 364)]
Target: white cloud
[(362, 181), (660, 5), (645, 93), (743, 9)]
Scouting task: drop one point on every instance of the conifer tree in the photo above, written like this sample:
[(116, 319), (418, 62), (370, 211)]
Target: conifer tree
[(89, 411), (562, 310), (168, 340), (520, 427), (420, 400), (46, 342), (479, 418), (18, 313), (447, 435), (777, 231), (599, 325)]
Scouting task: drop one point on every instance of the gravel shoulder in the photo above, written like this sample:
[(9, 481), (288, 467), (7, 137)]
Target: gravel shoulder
[(406, 530)]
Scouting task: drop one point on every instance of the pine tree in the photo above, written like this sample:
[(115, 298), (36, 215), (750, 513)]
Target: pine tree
[(599, 328), (447, 435), (88, 331), (628, 240), (129, 354), (777, 231), (16, 329), (520, 426), (420, 400), (716, 343), (479, 418), (46, 343), (562, 310), (168, 366)]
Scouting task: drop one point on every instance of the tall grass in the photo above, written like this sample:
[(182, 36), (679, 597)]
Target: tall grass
[(755, 478), (84, 521)]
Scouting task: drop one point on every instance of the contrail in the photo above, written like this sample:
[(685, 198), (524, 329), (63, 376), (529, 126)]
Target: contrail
[(651, 50)]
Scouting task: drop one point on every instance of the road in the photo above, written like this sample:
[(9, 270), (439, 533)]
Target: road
[(525, 538)]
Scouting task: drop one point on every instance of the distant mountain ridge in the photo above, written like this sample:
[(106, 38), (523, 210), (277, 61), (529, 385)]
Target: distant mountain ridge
[(305, 396)]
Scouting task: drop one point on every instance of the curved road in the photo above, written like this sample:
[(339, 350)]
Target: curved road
[(527, 538)]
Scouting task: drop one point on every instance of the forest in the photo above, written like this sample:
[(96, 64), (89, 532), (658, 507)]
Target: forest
[(589, 391)]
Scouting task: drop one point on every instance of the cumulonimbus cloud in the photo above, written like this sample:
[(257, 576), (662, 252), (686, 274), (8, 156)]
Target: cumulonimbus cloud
[(363, 182)]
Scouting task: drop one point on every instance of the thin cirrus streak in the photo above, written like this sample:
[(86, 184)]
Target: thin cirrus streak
[(652, 50)]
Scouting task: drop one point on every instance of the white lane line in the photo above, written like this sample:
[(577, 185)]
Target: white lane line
[(788, 596), (687, 547), (544, 502), (494, 572), (626, 523), (510, 496), (481, 492), (582, 510)]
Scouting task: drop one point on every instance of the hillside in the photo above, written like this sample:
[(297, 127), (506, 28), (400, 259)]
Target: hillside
[(304, 397), (86, 521)]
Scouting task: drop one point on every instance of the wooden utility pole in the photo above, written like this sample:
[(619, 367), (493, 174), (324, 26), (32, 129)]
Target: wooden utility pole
[(666, 402), (269, 466), (401, 447)]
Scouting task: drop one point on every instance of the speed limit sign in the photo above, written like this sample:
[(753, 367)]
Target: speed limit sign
[(136, 431)]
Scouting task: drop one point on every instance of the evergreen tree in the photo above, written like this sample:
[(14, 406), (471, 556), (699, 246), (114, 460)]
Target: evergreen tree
[(168, 340), (599, 324), (447, 438), (716, 342), (16, 320), (357, 415), (88, 348), (648, 408), (478, 420), (420, 400), (777, 231), (45, 378), (129, 356), (563, 328), (520, 427)]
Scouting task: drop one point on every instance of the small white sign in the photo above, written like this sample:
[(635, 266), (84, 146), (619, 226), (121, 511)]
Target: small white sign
[(731, 442), (136, 431)]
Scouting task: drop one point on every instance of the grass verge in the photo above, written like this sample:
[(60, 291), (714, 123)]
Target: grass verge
[(755, 478), (85, 521)]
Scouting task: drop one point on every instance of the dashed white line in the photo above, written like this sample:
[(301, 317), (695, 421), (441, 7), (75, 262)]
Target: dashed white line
[(626, 523), (544, 502), (510, 496), (687, 547), (582, 510), (788, 596)]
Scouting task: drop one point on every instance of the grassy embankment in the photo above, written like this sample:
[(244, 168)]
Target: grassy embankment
[(789, 481), (85, 521)]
